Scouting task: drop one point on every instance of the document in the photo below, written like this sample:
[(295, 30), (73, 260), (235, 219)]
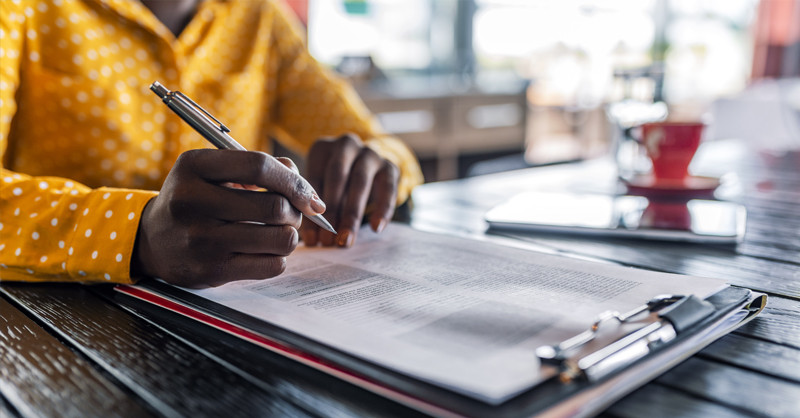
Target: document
[(462, 314)]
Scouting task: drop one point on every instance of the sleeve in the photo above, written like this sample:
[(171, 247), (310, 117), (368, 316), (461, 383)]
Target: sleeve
[(312, 103), (52, 228)]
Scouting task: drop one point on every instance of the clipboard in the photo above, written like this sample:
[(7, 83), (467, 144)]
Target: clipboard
[(570, 392)]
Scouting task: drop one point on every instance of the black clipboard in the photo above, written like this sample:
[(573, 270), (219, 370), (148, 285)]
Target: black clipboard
[(554, 397)]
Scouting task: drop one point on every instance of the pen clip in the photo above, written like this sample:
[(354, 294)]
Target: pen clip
[(222, 127)]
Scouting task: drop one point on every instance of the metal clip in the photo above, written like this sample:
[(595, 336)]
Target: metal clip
[(560, 354), (222, 127)]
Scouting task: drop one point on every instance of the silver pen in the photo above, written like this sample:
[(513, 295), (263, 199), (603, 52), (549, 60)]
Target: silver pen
[(211, 129)]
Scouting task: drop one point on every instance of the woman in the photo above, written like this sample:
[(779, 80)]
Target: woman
[(84, 144)]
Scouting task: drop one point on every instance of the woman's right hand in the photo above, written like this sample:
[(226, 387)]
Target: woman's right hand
[(198, 232)]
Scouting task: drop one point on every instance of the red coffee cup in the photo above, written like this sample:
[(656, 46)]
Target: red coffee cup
[(667, 215), (671, 147)]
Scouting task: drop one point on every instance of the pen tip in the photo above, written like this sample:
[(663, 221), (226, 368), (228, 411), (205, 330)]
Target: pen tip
[(322, 222)]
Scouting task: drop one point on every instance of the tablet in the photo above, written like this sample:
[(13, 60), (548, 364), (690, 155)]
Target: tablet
[(708, 221)]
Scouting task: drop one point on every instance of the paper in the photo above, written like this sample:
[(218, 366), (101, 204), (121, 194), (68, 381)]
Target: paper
[(463, 314)]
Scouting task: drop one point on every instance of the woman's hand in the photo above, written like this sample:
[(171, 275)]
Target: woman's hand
[(201, 232), (352, 179)]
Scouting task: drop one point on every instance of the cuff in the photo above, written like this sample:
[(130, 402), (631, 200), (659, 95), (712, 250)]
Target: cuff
[(102, 245)]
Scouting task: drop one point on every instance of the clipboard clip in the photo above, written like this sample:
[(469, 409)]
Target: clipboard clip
[(675, 314)]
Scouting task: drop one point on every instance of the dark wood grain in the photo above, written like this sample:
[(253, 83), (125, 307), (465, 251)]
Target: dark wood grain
[(768, 260), (772, 234), (754, 273), (779, 323), (771, 193), (42, 377), (654, 401), (752, 372), (304, 386), (169, 375), (734, 388), (78, 351), (756, 355)]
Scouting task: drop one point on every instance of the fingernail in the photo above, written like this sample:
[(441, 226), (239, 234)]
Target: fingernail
[(317, 204), (345, 239), (381, 226)]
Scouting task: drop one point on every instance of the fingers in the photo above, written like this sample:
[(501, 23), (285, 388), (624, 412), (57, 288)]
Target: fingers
[(328, 167), (316, 162), (315, 172), (254, 168), (233, 205), (251, 238), (384, 196), (288, 163), (337, 172), (251, 267), (236, 251), (359, 186), (234, 267), (349, 175), (310, 233), (198, 232)]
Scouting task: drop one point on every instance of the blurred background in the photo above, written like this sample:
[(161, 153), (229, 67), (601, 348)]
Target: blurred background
[(478, 86)]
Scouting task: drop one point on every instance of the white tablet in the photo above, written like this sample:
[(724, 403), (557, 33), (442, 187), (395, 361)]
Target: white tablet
[(707, 221)]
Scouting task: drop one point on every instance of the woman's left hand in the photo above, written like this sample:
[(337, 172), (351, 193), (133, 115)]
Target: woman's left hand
[(351, 179)]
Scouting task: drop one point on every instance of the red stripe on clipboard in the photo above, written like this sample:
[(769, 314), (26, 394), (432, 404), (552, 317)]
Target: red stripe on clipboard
[(276, 347)]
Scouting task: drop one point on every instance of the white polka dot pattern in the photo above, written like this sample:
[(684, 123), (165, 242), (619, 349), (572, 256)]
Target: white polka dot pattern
[(95, 139)]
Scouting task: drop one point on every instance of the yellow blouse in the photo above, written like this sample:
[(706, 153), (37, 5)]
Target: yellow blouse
[(76, 117)]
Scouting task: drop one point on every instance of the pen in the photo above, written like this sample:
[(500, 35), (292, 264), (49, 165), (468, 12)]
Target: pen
[(210, 128)]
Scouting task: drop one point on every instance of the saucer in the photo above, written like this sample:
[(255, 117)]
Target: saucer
[(691, 186)]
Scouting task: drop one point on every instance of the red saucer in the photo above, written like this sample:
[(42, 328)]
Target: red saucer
[(692, 186)]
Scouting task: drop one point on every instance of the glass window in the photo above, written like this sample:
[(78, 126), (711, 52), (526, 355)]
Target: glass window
[(398, 34)]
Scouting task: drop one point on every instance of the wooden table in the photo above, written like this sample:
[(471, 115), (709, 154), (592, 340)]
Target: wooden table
[(73, 350)]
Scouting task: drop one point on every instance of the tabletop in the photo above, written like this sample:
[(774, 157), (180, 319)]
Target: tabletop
[(76, 350)]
